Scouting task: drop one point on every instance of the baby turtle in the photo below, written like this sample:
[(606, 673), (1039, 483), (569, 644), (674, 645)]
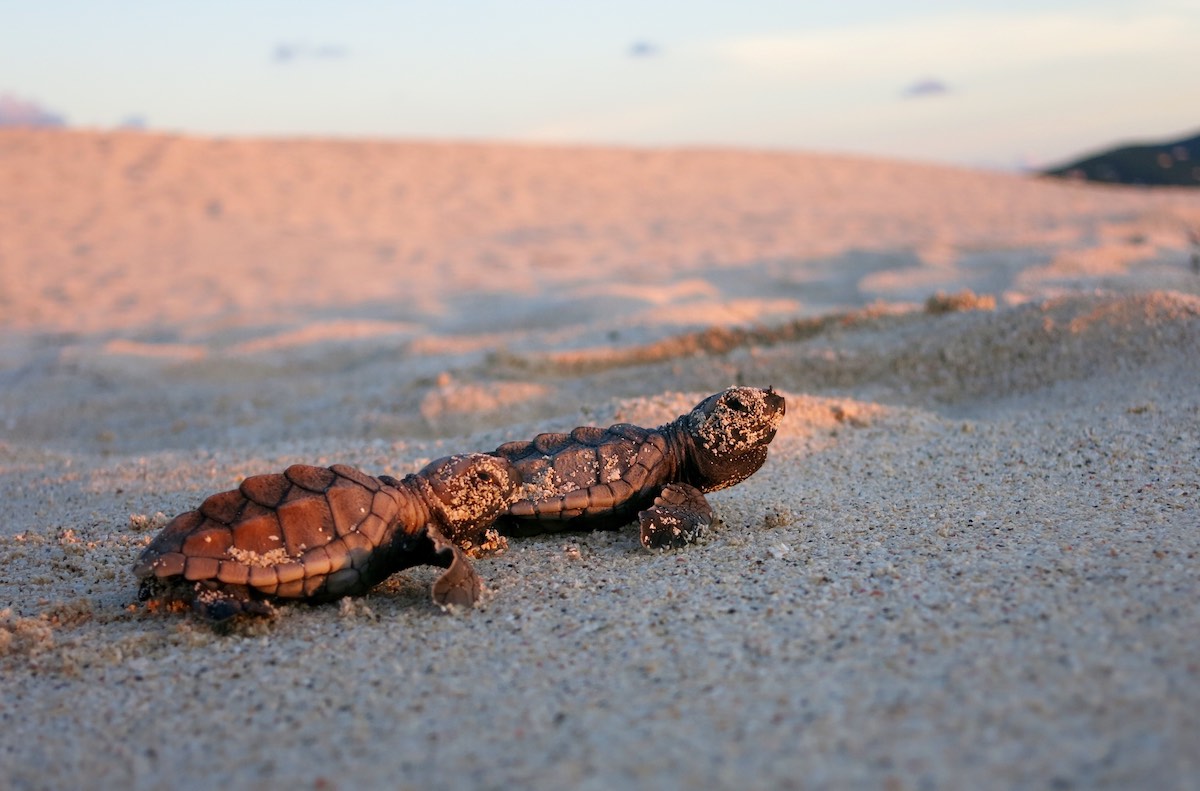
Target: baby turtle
[(318, 534), (595, 478)]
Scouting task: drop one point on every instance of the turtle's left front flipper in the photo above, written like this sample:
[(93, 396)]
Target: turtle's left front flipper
[(677, 518)]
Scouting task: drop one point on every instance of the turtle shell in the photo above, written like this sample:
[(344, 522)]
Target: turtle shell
[(308, 532), (603, 477), (597, 476)]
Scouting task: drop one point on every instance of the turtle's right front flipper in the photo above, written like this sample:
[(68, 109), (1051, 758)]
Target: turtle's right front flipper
[(678, 517), (459, 586)]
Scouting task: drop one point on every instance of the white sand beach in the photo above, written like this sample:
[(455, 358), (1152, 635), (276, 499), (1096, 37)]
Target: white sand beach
[(972, 559)]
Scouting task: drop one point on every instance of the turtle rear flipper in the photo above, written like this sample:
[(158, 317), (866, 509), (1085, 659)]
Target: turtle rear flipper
[(459, 586), (222, 603), (678, 517)]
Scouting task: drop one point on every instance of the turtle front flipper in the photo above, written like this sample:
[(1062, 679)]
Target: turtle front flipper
[(459, 586), (678, 517)]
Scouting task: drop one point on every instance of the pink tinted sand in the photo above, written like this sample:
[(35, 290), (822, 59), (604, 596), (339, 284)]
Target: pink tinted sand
[(969, 562), (106, 232)]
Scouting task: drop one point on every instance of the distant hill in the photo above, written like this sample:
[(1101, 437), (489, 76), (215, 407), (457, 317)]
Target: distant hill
[(15, 111), (1175, 163)]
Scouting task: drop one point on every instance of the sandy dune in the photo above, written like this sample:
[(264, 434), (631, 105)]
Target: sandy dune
[(971, 560)]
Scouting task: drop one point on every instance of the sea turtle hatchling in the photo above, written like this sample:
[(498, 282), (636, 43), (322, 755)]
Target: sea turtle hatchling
[(320, 533), (602, 477)]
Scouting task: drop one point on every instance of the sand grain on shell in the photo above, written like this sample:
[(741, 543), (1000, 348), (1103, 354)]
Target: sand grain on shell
[(249, 557), (970, 560)]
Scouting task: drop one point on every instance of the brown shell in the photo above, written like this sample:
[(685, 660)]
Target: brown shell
[(308, 531)]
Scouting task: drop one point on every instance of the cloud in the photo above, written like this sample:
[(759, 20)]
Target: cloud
[(644, 49), (967, 42), (133, 122), (290, 52), (929, 86), (15, 111)]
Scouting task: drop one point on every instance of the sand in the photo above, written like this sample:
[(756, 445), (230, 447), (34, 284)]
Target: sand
[(971, 559)]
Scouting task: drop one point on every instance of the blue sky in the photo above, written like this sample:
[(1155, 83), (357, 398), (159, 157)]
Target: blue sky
[(974, 82)]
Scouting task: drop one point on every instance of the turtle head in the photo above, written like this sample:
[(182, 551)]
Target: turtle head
[(729, 434), (470, 492)]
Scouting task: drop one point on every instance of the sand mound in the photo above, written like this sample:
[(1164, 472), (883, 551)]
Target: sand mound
[(988, 355)]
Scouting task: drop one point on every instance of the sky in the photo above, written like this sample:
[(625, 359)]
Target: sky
[(1008, 84)]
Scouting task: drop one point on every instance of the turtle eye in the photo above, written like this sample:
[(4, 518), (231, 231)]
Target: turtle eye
[(484, 476), (736, 404)]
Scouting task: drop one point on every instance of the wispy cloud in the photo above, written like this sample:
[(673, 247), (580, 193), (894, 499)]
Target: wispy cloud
[(644, 49), (966, 42), (15, 111), (929, 86), (291, 51)]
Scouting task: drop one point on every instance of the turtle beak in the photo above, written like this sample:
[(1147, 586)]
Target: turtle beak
[(775, 402)]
